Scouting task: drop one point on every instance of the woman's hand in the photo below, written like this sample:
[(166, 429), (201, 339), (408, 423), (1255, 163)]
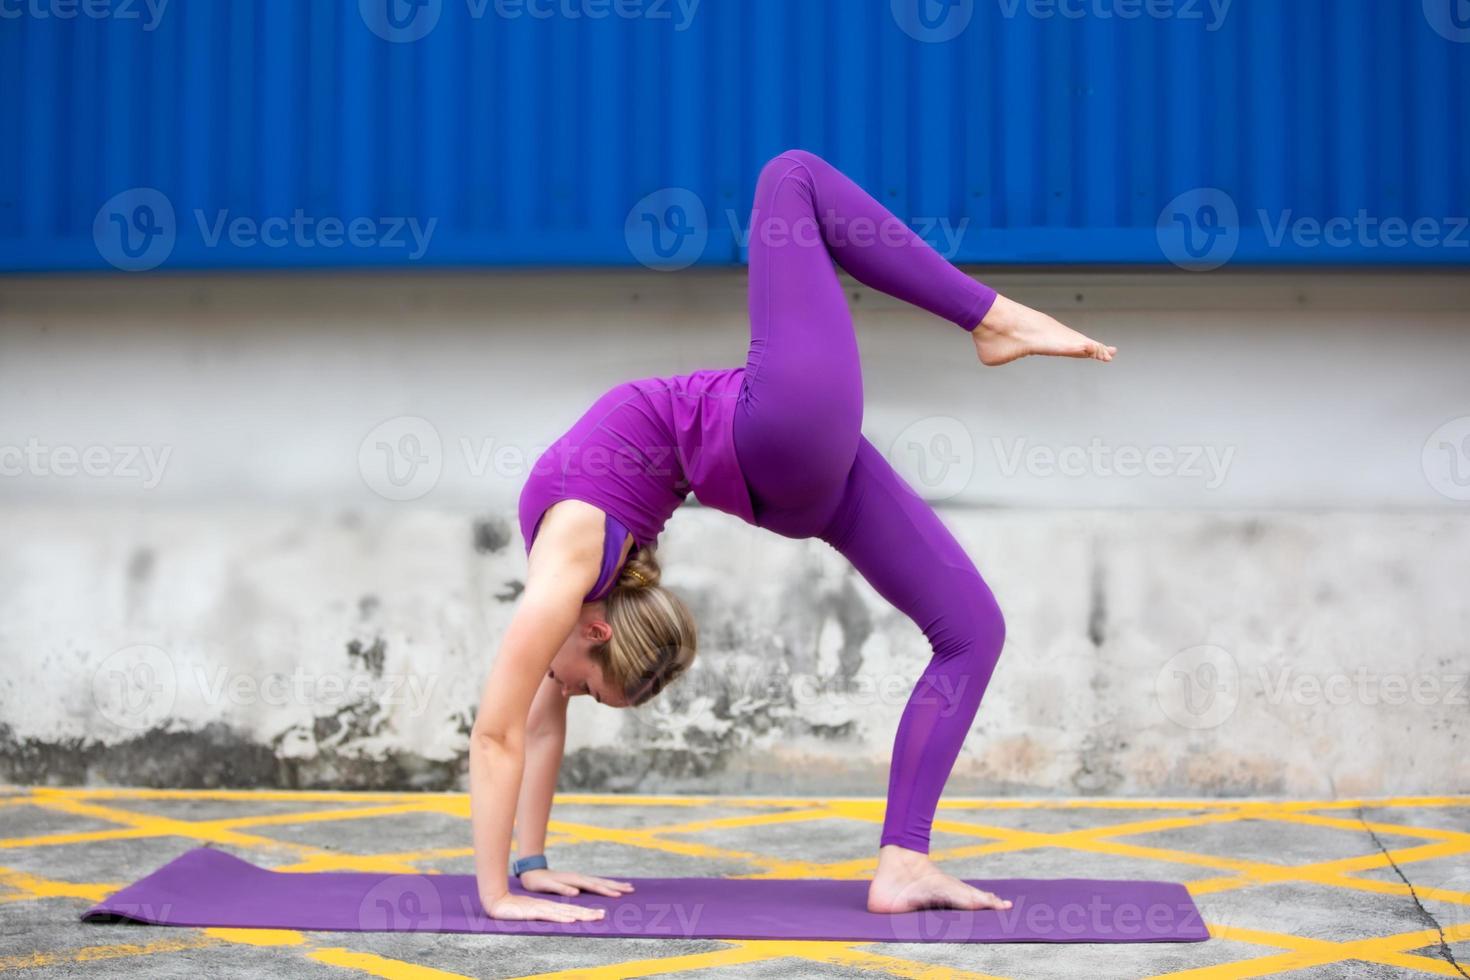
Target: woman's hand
[(525, 908), (572, 883)]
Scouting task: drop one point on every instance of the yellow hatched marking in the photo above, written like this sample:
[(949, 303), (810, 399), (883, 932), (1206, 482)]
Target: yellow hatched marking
[(29, 887), (94, 954), (732, 956), (1301, 952), (379, 966), (259, 937), (1292, 952)]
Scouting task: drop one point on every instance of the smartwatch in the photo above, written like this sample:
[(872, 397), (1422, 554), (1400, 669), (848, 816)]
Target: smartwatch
[(533, 863)]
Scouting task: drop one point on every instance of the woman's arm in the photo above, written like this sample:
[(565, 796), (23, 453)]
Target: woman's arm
[(564, 563), (546, 739)]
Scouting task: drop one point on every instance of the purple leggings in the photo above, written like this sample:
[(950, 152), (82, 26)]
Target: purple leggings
[(812, 474)]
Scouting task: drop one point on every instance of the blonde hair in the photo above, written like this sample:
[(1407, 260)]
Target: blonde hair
[(653, 634)]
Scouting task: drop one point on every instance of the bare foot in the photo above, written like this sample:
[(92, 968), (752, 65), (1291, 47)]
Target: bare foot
[(907, 880), (1010, 331)]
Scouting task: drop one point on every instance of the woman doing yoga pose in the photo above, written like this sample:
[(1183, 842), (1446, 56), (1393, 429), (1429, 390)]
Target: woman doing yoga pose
[(779, 444)]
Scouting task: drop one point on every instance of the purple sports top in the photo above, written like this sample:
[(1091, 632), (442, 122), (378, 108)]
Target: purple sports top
[(636, 454)]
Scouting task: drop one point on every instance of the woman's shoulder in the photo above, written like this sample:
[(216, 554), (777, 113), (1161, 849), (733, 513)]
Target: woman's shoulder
[(573, 520)]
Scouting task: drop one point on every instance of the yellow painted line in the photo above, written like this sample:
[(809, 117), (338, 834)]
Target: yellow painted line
[(321, 816), (385, 863), (380, 966), (732, 956), (33, 887), (151, 825), (243, 795), (83, 837), (866, 961), (767, 819), (1389, 802), (259, 937), (406, 862), (645, 839), (93, 954), (1301, 952), (608, 799), (1342, 823)]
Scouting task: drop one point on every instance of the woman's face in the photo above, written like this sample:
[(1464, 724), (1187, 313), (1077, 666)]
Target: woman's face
[(573, 667)]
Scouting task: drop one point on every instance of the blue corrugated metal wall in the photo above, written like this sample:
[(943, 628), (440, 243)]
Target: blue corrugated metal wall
[(528, 139)]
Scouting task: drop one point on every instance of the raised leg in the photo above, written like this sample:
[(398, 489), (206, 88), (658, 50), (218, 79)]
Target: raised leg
[(801, 410)]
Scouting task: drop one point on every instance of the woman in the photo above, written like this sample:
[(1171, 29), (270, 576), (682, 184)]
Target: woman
[(777, 443)]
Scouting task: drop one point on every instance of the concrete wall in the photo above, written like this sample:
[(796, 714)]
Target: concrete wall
[(261, 531)]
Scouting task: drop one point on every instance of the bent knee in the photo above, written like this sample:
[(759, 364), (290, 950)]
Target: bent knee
[(974, 626), (803, 162)]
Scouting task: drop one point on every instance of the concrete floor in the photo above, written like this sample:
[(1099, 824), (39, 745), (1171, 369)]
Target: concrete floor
[(1372, 888)]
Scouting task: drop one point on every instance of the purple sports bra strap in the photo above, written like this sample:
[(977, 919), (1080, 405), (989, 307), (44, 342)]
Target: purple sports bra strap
[(614, 534)]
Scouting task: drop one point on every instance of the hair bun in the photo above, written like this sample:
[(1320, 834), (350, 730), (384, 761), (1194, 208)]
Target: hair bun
[(640, 571)]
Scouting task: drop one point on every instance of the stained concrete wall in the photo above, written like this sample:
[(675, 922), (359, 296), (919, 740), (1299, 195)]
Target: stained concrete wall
[(261, 531)]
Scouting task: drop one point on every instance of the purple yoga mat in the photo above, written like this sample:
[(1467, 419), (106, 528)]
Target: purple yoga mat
[(206, 887)]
